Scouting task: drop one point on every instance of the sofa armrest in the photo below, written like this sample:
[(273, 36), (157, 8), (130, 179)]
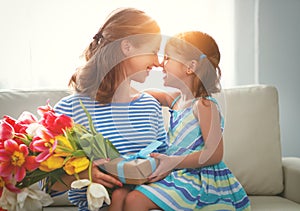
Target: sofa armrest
[(291, 173)]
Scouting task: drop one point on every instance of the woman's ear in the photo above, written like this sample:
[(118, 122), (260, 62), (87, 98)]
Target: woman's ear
[(126, 47), (191, 67)]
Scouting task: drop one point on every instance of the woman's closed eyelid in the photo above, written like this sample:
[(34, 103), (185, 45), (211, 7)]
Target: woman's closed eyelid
[(156, 51)]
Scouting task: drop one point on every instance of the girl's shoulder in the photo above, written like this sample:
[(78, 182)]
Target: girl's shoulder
[(205, 101), (204, 104)]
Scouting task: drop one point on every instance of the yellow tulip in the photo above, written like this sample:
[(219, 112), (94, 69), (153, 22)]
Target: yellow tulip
[(76, 165), (64, 147), (51, 164)]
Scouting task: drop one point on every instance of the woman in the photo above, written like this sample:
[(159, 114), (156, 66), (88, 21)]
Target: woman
[(123, 50)]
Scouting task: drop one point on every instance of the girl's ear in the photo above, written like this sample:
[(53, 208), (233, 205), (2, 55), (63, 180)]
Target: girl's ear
[(191, 67), (126, 47)]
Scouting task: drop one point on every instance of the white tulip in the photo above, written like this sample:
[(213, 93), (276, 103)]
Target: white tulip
[(96, 193), (78, 184), (33, 128), (29, 199)]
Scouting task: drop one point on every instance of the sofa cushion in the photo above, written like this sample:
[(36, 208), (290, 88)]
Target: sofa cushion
[(14, 102), (274, 203), (252, 148), (251, 136)]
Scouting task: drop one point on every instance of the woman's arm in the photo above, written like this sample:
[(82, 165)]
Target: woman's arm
[(97, 176)]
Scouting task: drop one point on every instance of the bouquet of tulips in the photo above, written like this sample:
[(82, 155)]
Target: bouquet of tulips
[(34, 149)]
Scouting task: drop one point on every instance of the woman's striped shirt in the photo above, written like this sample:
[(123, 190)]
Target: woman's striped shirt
[(129, 126)]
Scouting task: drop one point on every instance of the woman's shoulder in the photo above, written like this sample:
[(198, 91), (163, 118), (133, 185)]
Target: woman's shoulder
[(70, 102), (147, 98), (73, 98)]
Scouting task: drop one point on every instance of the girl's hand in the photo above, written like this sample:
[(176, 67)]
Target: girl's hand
[(165, 166), (103, 178)]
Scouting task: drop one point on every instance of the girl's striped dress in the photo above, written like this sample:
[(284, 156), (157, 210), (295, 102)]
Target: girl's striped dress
[(208, 188), (129, 126)]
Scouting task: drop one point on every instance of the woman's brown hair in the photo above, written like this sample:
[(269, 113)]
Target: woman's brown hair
[(102, 73)]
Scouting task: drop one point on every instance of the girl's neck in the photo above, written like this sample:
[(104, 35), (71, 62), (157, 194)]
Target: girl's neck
[(186, 99)]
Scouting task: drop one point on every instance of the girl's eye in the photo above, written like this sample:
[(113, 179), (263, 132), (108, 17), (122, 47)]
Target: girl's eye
[(166, 59)]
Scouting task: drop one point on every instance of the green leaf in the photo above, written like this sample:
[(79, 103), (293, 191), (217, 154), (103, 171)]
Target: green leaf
[(37, 175), (68, 134), (79, 153), (98, 146), (112, 152)]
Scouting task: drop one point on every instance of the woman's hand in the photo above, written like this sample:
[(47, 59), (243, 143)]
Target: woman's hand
[(103, 178)]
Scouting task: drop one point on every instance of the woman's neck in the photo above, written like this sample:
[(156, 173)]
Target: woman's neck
[(124, 93)]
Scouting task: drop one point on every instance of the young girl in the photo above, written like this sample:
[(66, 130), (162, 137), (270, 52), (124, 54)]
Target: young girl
[(197, 178), (124, 49)]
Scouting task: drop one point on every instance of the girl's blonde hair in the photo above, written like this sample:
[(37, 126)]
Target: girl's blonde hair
[(102, 73), (199, 46)]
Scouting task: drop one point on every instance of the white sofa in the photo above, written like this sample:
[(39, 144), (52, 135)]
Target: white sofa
[(251, 139)]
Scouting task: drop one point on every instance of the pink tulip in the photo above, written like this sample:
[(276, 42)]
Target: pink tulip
[(55, 123), (6, 132), (14, 159)]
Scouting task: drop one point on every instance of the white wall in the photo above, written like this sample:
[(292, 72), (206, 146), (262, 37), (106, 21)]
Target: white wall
[(267, 52), (41, 40)]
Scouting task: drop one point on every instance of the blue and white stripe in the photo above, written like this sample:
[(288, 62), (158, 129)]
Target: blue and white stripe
[(129, 126)]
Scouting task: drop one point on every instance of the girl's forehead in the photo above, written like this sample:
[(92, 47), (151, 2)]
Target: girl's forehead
[(171, 50)]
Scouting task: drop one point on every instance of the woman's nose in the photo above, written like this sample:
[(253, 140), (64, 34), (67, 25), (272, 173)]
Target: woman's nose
[(159, 62), (156, 62)]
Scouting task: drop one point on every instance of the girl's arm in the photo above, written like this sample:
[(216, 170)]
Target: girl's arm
[(212, 153), (165, 98), (210, 123)]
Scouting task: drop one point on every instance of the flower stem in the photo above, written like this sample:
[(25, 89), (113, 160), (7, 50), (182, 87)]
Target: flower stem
[(90, 168), (92, 128), (76, 176)]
